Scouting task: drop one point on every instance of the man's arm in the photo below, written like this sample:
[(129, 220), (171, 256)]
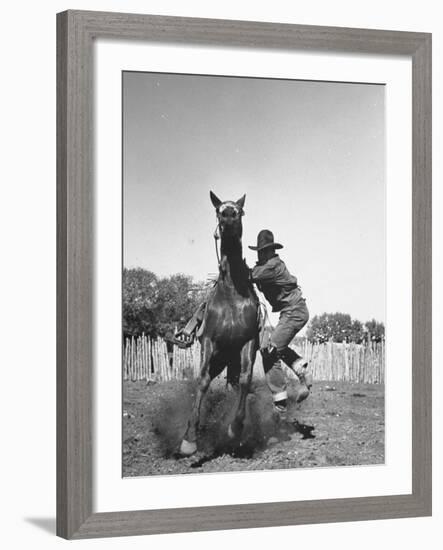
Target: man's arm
[(262, 273)]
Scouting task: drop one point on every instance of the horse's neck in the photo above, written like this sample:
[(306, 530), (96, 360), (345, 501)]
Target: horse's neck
[(232, 268), (231, 248)]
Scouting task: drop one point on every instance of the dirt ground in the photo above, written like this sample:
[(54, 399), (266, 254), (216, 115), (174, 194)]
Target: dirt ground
[(348, 421)]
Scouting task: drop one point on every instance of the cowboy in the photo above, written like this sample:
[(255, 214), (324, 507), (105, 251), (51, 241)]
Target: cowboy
[(281, 290)]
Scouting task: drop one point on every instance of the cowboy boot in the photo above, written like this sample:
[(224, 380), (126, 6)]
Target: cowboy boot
[(300, 368), (298, 365)]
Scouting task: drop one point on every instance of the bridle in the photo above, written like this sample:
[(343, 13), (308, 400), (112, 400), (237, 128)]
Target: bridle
[(216, 239), (217, 235)]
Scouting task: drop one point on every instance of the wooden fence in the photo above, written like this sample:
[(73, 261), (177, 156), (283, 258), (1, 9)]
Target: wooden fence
[(363, 363), (148, 359)]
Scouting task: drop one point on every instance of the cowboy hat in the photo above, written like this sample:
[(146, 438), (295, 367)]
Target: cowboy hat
[(265, 239)]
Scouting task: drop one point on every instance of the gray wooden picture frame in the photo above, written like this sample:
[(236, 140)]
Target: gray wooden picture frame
[(76, 31)]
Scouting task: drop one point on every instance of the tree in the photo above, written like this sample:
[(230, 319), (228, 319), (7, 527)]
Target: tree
[(156, 306), (339, 327), (176, 301), (375, 331), (356, 332), (139, 298), (330, 326)]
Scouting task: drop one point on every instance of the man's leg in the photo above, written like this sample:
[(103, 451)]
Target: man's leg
[(291, 321)]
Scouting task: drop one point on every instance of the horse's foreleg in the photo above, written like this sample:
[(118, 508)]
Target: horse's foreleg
[(189, 443), (247, 362)]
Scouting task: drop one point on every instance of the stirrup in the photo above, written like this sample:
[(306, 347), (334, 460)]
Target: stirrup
[(182, 340)]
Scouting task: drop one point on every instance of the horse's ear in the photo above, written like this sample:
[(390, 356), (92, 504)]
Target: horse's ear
[(241, 202), (215, 200)]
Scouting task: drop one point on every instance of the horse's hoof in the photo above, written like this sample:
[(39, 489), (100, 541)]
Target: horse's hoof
[(188, 448)]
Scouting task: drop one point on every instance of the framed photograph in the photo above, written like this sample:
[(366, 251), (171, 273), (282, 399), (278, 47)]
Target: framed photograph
[(244, 274)]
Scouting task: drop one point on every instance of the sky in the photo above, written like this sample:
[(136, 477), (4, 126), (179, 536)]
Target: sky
[(310, 157)]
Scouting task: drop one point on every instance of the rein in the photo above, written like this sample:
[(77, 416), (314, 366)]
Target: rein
[(266, 322), (217, 238)]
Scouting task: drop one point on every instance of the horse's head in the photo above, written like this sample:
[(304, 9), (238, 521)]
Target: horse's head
[(229, 215)]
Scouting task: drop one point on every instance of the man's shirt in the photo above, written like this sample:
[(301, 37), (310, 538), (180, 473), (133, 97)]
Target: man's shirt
[(277, 284)]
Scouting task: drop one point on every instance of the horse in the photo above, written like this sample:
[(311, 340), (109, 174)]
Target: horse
[(229, 334)]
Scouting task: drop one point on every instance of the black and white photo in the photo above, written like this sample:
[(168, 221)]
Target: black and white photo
[(254, 274)]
